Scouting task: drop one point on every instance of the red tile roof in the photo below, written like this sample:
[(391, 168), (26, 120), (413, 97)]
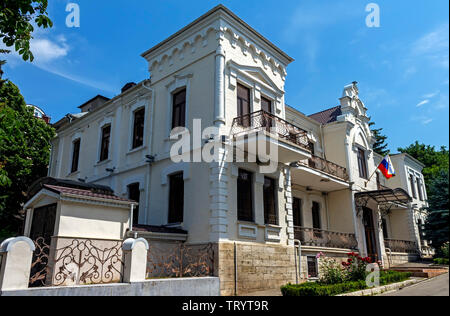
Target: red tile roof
[(86, 193), (327, 116)]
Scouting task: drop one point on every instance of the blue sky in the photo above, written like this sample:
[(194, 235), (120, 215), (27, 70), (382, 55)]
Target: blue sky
[(402, 67)]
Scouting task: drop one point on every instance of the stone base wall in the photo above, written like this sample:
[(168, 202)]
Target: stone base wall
[(259, 267), (401, 258)]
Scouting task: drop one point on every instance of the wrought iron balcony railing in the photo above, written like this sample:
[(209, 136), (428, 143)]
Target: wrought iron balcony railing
[(323, 238), (403, 246), (264, 121), (327, 167)]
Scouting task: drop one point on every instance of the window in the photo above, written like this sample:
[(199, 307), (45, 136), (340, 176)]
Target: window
[(362, 164), (297, 210), (312, 267), (270, 210), (104, 147), (245, 196), (243, 104), (419, 189), (75, 155), (179, 109), (266, 105), (176, 198), (138, 128), (134, 193), (413, 187)]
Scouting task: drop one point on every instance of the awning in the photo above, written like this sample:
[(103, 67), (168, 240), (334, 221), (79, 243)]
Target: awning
[(384, 198)]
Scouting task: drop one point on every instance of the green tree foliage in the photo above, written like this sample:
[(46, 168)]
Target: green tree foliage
[(24, 154), (437, 225), (381, 145), (16, 24), (434, 160)]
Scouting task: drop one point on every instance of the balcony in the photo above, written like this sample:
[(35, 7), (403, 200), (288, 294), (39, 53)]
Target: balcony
[(320, 174), (292, 141), (402, 246), (325, 239)]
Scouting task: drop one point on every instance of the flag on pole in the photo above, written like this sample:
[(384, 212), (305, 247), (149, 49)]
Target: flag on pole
[(387, 168)]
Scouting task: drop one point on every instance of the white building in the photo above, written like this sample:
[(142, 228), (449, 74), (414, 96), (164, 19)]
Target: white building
[(220, 70)]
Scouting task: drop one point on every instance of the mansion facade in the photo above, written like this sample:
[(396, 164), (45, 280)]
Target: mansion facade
[(266, 228)]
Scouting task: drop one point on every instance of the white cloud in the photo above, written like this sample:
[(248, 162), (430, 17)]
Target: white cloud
[(434, 46), (431, 95), (427, 121), (423, 103), (52, 56), (44, 50)]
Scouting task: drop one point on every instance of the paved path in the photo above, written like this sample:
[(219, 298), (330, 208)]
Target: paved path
[(434, 287)]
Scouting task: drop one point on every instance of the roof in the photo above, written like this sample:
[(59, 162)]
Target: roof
[(84, 193), (158, 229), (220, 7), (385, 196), (327, 116), (61, 186), (98, 96)]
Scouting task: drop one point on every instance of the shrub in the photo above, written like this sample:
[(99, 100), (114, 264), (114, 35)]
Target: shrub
[(320, 289), (331, 272), (441, 261), (356, 267)]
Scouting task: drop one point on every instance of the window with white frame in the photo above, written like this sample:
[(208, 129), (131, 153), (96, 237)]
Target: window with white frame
[(138, 128), (104, 142)]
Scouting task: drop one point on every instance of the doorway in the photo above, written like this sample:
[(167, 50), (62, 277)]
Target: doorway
[(370, 233)]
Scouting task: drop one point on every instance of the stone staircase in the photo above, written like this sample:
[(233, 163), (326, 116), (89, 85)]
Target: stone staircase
[(422, 269)]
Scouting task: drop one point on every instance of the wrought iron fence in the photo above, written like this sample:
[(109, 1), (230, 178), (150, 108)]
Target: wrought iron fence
[(178, 260), (264, 121), (324, 238), (39, 265), (327, 167), (403, 246), (76, 262)]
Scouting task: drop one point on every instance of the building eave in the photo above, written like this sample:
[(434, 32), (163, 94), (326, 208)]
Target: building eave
[(223, 9)]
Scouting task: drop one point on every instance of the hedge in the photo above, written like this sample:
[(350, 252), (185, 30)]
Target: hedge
[(441, 261), (318, 289)]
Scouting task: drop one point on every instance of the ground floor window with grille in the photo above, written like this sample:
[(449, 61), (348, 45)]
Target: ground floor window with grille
[(312, 267)]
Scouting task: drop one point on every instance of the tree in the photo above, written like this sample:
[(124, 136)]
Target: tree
[(380, 146), (435, 161), (24, 154), (16, 23), (437, 225)]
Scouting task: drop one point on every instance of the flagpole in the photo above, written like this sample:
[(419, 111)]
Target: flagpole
[(367, 182)]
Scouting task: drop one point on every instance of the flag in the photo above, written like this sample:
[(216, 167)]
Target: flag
[(387, 168)]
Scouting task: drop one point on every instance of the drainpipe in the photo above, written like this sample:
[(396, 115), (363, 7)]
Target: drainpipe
[(299, 265), (130, 225), (148, 178)]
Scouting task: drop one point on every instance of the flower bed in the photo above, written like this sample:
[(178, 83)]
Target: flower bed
[(321, 289), (345, 277)]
